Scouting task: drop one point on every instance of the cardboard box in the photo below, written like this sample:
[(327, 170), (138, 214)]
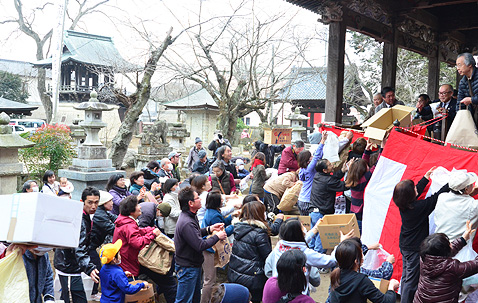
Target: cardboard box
[(331, 225), (381, 122), (305, 220), (278, 135), (37, 218), (381, 284), (143, 296)]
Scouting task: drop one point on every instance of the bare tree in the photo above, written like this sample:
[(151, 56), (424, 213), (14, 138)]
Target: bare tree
[(27, 27), (242, 61)]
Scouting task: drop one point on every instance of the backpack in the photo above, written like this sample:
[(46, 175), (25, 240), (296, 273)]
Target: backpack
[(287, 298)]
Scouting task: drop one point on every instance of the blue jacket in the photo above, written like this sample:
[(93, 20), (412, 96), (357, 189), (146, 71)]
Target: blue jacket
[(306, 175), (40, 277), (213, 216), (114, 284)]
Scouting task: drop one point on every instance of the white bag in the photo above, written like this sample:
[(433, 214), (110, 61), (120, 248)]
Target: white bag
[(13, 279), (467, 254), (331, 147), (374, 258), (463, 130)]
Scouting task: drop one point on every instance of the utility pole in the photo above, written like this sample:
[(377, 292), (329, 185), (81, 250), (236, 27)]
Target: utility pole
[(57, 50)]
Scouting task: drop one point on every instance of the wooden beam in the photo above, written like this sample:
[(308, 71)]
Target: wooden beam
[(436, 3), (335, 72)]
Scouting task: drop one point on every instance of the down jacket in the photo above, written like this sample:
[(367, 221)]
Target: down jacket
[(76, 260), (324, 189), (134, 239), (103, 227), (250, 249), (268, 150), (441, 277), (464, 90)]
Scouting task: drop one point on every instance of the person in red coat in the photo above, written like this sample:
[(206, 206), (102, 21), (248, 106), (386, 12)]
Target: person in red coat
[(134, 239), (288, 161)]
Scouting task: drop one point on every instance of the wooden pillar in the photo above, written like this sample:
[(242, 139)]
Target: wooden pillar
[(433, 77), (335, 72), (389, 65)]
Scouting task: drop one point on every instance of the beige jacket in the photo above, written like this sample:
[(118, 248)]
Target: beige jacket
[(278, 185)]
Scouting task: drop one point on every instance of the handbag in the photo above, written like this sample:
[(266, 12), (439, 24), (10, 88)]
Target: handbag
[(158, 255), (290, 197), (463, 130)]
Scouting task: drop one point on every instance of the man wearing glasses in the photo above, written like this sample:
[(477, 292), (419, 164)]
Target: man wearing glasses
[(447, 105), (468, 87)]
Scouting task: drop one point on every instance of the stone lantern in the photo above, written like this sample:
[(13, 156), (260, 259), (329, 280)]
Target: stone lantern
[(298, 122), (91, 168), (10, 168)]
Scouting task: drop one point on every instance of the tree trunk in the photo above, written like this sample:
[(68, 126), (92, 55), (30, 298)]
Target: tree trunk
[(227, 123), (120, 143), (44, 97)]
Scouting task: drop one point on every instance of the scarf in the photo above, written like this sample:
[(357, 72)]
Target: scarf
[(256, 162)]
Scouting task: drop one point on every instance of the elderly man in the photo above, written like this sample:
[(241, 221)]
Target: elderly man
[(377, 100), (174, 158), (166, 168), (388, 95), (288, 161), (468, 87), (447, 104), (193, 156)]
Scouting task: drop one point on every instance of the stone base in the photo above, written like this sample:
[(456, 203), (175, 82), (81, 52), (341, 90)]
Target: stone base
[(142, 159), (82, 179), (92, 152), (92, 165), (154, 150)]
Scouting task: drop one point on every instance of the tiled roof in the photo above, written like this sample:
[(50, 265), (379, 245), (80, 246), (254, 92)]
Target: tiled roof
[(305, 84), (197, 100), (20, 68), (9, 106), (91, 49)]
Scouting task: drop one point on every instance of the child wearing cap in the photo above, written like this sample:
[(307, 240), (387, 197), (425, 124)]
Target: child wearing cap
[(114, 283)]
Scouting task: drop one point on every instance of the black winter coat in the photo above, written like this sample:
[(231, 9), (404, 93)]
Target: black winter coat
[(250, 249), (324, 188), (76, 260), (103, 227), (268, 150), (149, 178), (464, 91)]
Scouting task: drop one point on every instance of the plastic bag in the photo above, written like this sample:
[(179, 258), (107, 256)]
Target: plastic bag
[(13, 279), (331, 147), (464, 255), (374, 258)]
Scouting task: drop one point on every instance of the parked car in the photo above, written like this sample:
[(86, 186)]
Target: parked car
[(18, 129), (28, 124)]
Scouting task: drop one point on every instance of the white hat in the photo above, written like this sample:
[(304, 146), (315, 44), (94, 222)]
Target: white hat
[(105, 197), (460, 179)]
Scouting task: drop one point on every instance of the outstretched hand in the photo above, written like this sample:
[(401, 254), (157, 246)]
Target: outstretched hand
[(429, 172), (349, 235), (468, 231)]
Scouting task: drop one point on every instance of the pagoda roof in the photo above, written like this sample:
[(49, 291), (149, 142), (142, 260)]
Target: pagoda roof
[(305, 84), (199, 99), (13, 107), (91, 50), (20, 68)]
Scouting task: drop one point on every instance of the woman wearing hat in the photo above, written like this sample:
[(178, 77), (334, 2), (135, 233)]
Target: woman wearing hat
[(193, 156)]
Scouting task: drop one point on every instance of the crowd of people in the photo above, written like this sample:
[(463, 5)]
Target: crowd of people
[(206, 207)]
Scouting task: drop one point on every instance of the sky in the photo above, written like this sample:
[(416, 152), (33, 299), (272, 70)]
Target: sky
[(117, 17)]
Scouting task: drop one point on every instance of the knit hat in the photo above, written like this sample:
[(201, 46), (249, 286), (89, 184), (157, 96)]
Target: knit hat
[(235, 293), (202, 154), (109, 251), (164, 208), (197, 140), (105, 197), (460, 179)]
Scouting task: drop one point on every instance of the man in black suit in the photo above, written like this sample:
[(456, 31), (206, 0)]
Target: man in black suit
[(447, 105)]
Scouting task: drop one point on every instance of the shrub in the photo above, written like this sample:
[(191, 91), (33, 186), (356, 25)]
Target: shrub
[(52, 150)]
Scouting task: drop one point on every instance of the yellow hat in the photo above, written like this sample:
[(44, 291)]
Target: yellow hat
[(109, 251)]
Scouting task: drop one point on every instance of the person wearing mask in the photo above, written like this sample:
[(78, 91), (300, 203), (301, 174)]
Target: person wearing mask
[(174, 158), (30, 186), (71, 262), (171, 190), (189, 244), (166, 168), (193, 156), (241, 171), (116, 186), (202, 165), (39, 274)]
